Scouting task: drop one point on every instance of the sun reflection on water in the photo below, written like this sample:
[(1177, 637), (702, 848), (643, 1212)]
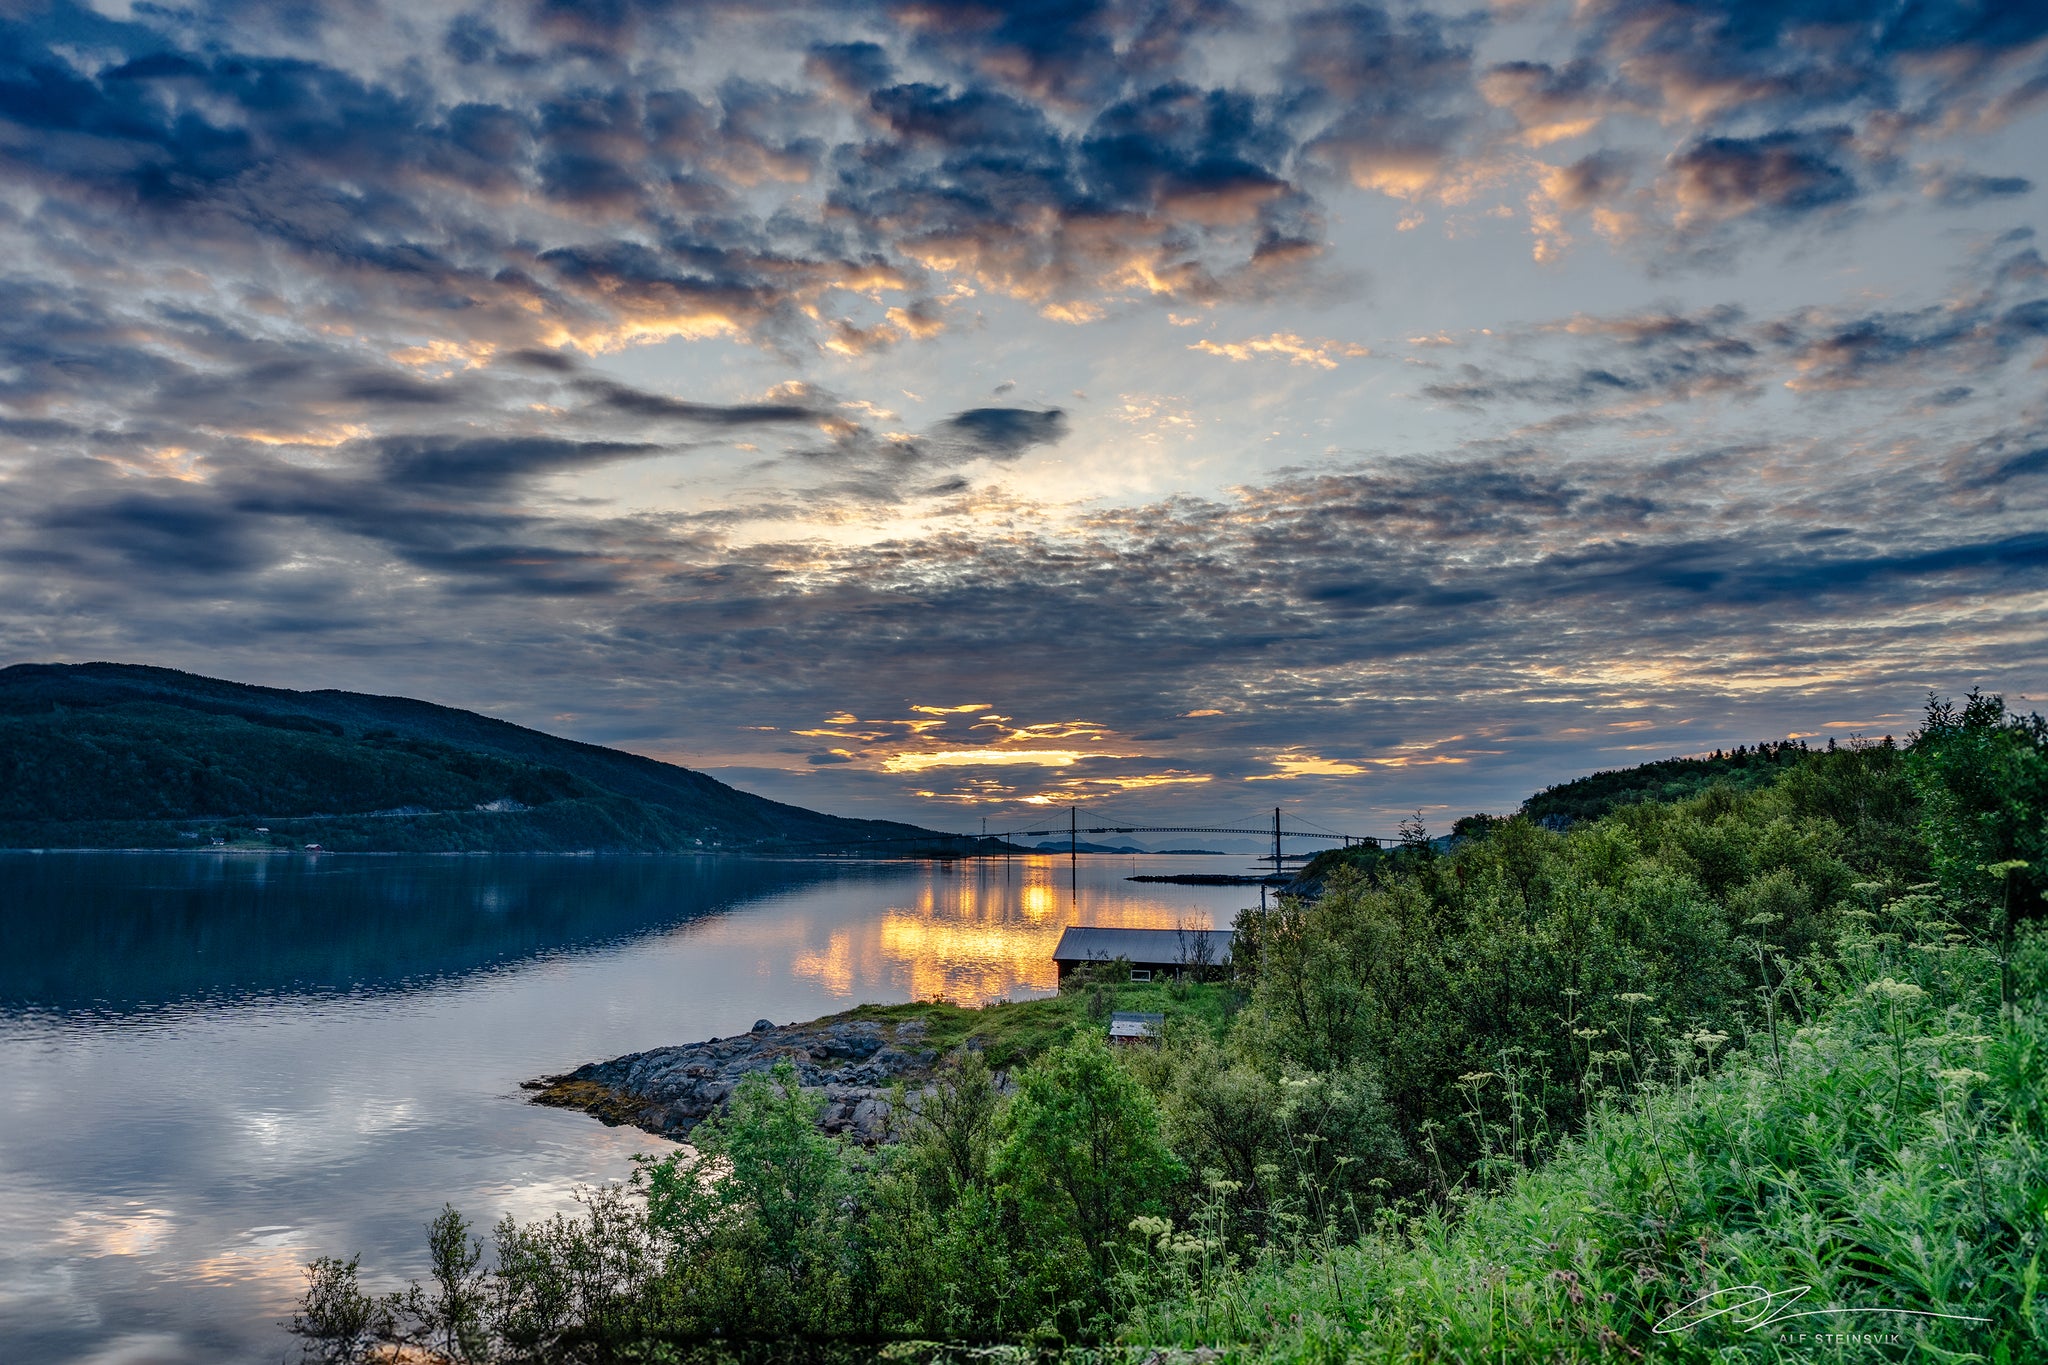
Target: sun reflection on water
[(976, 932)]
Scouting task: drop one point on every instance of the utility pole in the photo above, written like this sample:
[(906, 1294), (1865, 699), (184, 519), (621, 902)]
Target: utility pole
[(1276, 841), (1073, 831)]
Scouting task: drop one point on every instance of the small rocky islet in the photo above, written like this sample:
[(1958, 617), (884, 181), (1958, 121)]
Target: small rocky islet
[(858, 1065)]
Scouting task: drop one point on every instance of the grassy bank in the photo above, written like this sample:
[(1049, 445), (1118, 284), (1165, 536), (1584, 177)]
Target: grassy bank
[(1868, 1185)]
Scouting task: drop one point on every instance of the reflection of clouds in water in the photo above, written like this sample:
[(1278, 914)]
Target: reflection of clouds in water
[(384, 1115), (143, 1348), (267, 1129), (132, 1230), (266, 1264), (593, 1159), (266, 1260)]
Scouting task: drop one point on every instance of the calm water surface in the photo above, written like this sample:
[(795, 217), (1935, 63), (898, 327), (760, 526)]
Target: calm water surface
[(216, 1067)]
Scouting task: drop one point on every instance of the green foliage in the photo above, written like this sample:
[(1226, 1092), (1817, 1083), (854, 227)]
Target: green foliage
[(1082, 1155), (757, 1220), (942, 1233), (336, 1322), (1983, 779), (1670, 779), (563, 1288), (452, 1319), (1889, 1164), (152, 762), (1527, 1096)]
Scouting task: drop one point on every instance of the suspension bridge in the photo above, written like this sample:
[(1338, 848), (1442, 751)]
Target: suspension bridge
[(1282, 826), (1276, 831)]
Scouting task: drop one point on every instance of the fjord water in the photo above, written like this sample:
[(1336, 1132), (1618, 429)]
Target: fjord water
[(214, 1067)]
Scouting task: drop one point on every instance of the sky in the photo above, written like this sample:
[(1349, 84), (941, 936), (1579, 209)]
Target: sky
[(943, 410)]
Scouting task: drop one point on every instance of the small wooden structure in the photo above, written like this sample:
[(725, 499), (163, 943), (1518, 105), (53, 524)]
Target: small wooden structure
[(1127, 1027), (1154, 954)]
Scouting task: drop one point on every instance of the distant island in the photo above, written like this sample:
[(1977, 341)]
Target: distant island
[(108, 755)]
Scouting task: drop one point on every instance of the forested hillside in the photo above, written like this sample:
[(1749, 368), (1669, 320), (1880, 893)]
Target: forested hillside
[(1601, 1094), (1667, 779), (121, 755)]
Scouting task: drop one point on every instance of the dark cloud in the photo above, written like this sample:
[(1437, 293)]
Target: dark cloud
[(484, 464), (1593, 179), (549, 362), (182, 536), (849, 70), (1967, 189), (632, 402), (1782, 175), (1792, 110), (1765, 56), (1005, 433), (2023, 465)]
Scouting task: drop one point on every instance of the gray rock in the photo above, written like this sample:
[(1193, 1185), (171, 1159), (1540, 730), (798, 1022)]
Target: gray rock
[(854, 1064)]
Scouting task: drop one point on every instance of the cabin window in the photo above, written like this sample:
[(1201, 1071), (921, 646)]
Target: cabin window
[(1141, 973)]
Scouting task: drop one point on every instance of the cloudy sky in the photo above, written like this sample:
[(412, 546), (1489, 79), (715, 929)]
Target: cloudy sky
[(923, 409)]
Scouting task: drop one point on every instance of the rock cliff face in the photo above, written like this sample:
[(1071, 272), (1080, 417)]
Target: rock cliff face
[(668, 1091)]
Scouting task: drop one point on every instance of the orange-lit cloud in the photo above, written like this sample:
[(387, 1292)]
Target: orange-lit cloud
[(1294, 765), (1297, 350), (969, 758)]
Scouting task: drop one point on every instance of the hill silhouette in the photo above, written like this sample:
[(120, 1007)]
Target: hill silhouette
[(127, 755)]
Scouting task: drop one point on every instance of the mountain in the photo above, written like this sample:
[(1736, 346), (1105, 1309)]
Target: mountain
[(125, 755)]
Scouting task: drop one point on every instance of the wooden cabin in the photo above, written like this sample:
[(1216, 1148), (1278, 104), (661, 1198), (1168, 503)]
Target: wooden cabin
[(1154, 954)]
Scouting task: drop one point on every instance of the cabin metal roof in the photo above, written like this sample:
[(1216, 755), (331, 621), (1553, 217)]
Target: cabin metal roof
[(1085, 943)]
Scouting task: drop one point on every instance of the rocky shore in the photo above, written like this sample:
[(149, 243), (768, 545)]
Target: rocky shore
[(854, 1063)]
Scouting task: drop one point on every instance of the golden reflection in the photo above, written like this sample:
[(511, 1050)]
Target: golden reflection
[(979, 932), (832, 968)]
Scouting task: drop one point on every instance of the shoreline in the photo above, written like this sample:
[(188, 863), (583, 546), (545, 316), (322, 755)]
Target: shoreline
[(863, 1062)]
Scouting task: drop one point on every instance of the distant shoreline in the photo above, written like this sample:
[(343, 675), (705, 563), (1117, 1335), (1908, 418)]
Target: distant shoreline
[(1213, 879)]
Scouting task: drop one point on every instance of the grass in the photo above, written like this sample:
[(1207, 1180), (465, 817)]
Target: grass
[(1011, 1033), (1886, 1161)]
